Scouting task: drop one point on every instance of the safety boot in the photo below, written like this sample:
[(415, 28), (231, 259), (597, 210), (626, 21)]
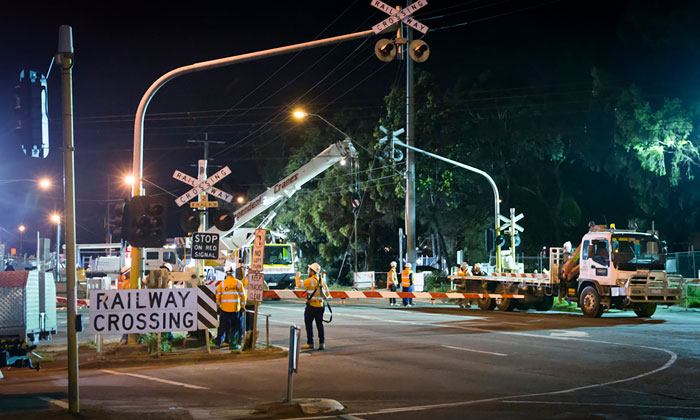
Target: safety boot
[(307, 347), (322, 346)]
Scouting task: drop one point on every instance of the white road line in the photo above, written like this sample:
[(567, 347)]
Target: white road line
[(475, 351), (59, 403), (675, 407), (151, 378)]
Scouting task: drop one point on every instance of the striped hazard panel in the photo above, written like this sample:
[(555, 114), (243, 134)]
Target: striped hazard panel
[(206, 307)]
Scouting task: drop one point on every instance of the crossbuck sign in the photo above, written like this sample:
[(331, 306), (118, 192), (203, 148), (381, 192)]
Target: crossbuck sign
[(203, 186), (402, 15)]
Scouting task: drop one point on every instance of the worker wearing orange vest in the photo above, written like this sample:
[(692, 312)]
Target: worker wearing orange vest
[(231, 298), (315, 293), (391, 282), (464, 270), (124, 282), (407, 283)]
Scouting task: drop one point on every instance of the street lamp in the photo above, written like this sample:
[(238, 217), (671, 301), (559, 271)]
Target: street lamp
[(43, 183), (300, 114), (56, 219), (21, 229), (240, 199)]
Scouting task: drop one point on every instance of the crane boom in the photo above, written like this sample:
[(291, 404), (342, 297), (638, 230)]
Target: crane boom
[(288, 186)]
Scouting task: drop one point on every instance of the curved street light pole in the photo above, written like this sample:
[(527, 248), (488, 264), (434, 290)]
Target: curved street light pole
[(497, 199), (137, 253)]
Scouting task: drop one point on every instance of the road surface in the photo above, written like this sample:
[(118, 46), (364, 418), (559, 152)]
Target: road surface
[(409, 363)]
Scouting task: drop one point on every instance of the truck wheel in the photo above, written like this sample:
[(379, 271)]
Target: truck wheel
[(645, 310), (590, 303), (486, 304), (545, 304), (504, 304)]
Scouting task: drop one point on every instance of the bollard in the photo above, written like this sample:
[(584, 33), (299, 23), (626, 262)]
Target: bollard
[(294, 331)]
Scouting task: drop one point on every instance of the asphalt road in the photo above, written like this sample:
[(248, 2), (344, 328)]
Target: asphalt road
[(436, 361)]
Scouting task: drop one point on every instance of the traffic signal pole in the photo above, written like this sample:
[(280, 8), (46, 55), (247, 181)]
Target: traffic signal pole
[(410, 211), (496, 196), (64, 57), (137, 253)]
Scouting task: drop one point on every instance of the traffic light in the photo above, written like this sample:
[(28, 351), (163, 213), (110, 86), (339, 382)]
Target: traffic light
[(117, 224), (385, 50), (419, 51), (189, 220), (489, 239), (145, 222), (223, 219), (31, 111)]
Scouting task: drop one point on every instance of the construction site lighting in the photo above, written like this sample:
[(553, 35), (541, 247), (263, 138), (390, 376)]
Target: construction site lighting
[(55, 218)]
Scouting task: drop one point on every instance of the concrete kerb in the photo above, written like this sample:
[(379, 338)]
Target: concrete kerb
[(298, 407), (116, 355)]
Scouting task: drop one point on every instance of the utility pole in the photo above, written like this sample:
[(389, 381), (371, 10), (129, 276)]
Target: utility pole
[(64, 58), (410, 212)]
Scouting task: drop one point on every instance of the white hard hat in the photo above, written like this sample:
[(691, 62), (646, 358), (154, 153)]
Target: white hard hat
[(315, 267), (393, 263), (407, 265), (464, 264)]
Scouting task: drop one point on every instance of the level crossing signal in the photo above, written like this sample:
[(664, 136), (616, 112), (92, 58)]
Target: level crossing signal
[(117, 223), (189, 220), (144, 223)]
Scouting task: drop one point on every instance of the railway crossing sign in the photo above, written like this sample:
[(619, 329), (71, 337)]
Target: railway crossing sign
[(402, 15), (203, 186), (507, 222)]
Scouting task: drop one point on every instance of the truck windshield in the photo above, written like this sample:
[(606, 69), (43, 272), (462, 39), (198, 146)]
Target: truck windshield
[(637, 251), (278, 255)]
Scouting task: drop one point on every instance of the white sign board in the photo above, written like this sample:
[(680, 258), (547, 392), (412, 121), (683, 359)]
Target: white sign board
[(256, 285), (203, 186), (396, 16), (256, 261), (363, 280), (143, 311)]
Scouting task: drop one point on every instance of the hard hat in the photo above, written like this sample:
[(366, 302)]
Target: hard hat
[(229, 270), (407, 265), (393, 263), (464, 264), (315, 267)]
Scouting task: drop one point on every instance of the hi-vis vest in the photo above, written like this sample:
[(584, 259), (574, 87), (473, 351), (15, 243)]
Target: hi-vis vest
[(391, 278), (406, 277), (461, 272), (311, 284), (230, 295)]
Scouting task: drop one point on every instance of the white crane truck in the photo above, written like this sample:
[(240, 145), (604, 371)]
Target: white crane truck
[(610, 269), (280, 272)]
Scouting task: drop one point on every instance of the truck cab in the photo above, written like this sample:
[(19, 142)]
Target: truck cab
[(622, 269)]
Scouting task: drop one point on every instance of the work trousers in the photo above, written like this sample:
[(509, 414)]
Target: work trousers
[(311, 314), (392, 287), (230, 327), (407, 301), (249, 317)]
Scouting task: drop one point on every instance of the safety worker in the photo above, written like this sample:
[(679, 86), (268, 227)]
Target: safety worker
[(231, 298), (123, 283), (476, 271), (407, 283), (316, 292), (391, 282), (464, 270)]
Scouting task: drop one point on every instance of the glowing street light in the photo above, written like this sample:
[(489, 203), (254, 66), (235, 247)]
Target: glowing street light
[(300, 114), (129, 180), (240, 199), (44, 183)]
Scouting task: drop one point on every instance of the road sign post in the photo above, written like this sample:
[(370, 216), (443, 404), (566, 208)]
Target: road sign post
[(256, 280), (294, 331), (205, 246)]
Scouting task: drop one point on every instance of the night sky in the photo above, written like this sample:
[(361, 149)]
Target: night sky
[(121, 48)]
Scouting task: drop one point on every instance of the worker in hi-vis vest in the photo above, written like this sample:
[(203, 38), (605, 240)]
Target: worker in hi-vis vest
[(391, 282), (316, 292), (407, 283), (464, 270), (231, 297)]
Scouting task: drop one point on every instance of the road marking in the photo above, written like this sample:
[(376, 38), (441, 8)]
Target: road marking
[(567, 334), (475, 351), (151, 378), (59, 403), (349, 417), (676, 407)]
